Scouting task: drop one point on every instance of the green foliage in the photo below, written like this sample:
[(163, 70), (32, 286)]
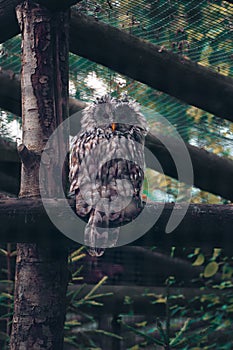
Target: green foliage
[(200, 322), (81, 329)]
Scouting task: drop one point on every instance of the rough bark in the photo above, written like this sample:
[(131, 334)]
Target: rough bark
[(40, 290), (139, 60), (41, 270), (25, 220), (10, 95), (8, 22)]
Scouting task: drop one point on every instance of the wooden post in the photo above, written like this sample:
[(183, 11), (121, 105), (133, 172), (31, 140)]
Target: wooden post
[(41, 270)]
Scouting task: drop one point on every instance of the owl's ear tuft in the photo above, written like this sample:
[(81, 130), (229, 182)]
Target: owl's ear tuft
[(104, 99)]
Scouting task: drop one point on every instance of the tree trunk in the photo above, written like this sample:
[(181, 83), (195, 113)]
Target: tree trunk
[(41, 270)]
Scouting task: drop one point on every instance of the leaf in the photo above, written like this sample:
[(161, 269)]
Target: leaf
[(127, 300), (109, 334), (199, 260), (179, 336), (144, 335), (73, 323), (141, 324), (78, 257), (96, 287), (160, 300), (94, 303), (197, 251), (76, 252), (217, 252), (211, 269), (7, 295), (3, 252), (207, 316), (161, 330)]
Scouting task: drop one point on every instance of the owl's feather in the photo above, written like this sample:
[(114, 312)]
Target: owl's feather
[(107, 169)]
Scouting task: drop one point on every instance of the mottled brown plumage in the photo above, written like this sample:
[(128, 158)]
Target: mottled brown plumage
[(107, 169)]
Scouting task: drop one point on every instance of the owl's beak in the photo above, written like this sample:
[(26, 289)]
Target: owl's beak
[(113, 126)]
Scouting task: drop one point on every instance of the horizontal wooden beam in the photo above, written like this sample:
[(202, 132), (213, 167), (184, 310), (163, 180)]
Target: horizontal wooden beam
[(122, 264), (25, 220), (8, 153), (140, 60), (9, 183), (56, 5), (211, 173), (151, 65)]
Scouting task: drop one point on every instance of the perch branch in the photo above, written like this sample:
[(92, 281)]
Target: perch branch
[(28, 158), (25, 220)]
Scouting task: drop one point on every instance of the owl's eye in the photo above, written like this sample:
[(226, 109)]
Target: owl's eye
[(105, 116)]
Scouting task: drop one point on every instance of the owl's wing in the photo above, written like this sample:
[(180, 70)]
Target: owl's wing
[(82, 176), (75, 161)]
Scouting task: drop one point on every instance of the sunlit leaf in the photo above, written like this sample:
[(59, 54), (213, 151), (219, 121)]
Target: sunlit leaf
[(3, 252), (211, 269), (141, 324), (199, 260)]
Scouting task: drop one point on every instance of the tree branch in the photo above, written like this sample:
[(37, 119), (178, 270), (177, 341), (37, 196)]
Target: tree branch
[(211, 173), (153, 270), (147, 63), (57, 5), (28, 158), (9, 183), (25, 220)]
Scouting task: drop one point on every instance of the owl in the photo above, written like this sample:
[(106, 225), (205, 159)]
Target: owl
[(107, 169)]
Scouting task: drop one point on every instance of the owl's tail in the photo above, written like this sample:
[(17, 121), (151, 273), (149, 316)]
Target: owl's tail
[(98, 238)]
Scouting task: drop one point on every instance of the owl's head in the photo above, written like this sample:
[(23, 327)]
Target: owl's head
[(107, 110)]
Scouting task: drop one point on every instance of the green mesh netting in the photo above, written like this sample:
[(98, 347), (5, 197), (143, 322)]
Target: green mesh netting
[(198, 30)]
